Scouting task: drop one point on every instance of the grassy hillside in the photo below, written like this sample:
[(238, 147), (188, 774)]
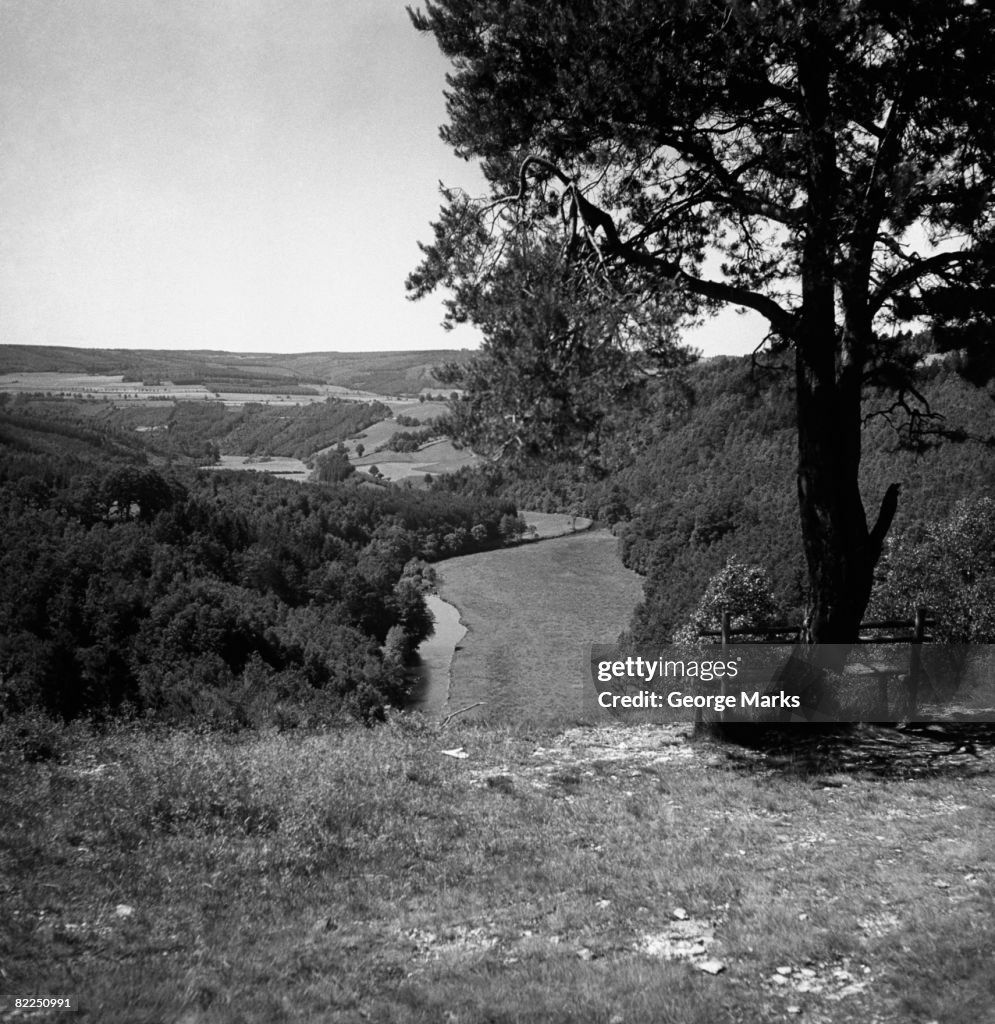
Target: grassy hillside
[(389, 373), (589, 877)]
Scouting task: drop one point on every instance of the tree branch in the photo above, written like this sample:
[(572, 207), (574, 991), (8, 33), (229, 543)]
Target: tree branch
[(913, 271), (523, 184), (776, 315), (592, 219), (729, 189)]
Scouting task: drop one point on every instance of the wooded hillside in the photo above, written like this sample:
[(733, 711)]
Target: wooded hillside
[(704, 471), (132, 587)]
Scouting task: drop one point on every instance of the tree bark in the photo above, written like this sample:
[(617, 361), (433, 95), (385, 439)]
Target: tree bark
[(828, 378), (835, 536)]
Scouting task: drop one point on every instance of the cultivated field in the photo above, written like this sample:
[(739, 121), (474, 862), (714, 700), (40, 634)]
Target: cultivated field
[(380, 433), (436, 457), (289, 469), (116, 388), (370, 373)]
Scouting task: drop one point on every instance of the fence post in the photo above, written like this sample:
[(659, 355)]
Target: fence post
[(920, 625), (726, 617), (915, 661)]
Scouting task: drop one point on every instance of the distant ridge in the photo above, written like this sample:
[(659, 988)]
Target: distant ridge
[(389, 373)]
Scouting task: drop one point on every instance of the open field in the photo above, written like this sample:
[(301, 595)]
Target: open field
[(435, 655), (372, 373), (436, 457), (98, 386), (289, 469), (531, 611), (116, 388), (590, 876), (380, 433), (544, 525)]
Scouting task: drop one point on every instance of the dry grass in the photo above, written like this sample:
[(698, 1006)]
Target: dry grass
[(584, 876)]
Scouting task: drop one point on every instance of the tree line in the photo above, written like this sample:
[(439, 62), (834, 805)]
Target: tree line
[(199, 431)]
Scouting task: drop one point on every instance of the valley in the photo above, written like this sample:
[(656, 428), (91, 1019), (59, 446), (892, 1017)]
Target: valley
[(399, 384), (516, 624)]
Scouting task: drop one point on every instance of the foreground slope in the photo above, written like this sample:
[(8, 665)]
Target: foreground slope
[(590, 876)]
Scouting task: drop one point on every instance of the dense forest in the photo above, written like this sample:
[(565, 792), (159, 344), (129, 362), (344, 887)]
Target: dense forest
[(702, 472), (224, 599)]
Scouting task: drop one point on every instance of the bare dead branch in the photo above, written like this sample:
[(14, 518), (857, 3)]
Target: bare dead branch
[(451, 716)]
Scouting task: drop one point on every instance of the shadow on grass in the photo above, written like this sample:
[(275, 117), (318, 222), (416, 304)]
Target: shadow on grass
[(914, 751)]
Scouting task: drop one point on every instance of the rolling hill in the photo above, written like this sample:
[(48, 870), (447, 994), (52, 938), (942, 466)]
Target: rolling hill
[(382, 373)]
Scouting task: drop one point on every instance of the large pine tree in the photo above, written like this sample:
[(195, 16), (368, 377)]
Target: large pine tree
[(827, 164)]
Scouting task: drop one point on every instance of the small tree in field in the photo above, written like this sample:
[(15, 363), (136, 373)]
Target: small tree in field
[(829, 165)]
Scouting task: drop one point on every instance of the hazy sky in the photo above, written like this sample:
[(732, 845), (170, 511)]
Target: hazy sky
[(233, 174)]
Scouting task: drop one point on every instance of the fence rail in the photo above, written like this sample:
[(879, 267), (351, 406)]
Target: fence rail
[(918, 627), (910, 679)]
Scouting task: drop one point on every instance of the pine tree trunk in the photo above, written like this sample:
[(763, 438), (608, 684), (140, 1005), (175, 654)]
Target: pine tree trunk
[(829, 380), (837, 543)]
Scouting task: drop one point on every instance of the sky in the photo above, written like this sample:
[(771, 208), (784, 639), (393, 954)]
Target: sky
[(247, 175)]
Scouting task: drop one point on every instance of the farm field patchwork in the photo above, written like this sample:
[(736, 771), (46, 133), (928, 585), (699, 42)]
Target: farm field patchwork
[(437, 457), (96, 390), (116, 388)]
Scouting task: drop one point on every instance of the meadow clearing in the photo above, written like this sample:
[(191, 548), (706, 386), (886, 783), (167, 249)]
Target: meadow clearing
[(530, 613)]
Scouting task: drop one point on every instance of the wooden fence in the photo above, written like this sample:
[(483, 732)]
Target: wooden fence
[(914, 635), (794, 633)]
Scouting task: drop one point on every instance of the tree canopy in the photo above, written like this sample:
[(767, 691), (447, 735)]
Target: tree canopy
[(828, 165), (221, 599)]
